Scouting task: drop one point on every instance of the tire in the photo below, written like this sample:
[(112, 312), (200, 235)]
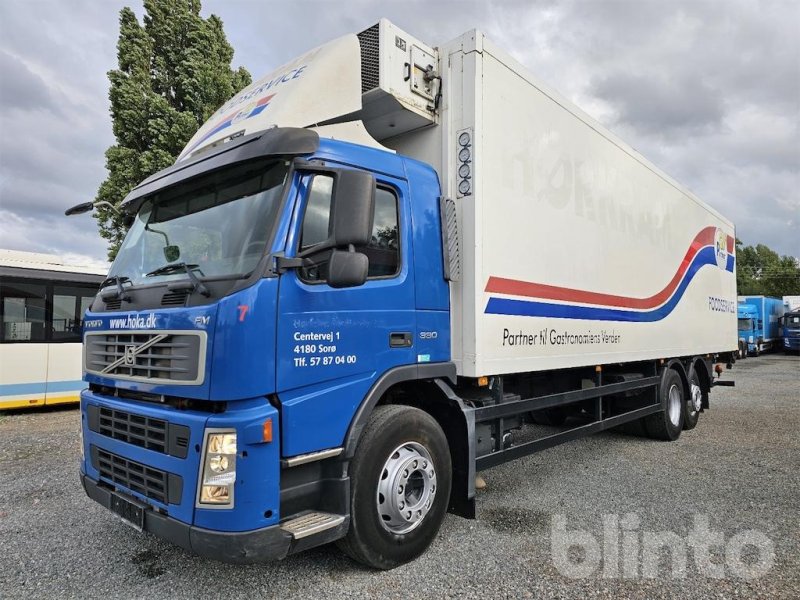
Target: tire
[(757, 351), (397, 440), (693, 404), (667, 424)]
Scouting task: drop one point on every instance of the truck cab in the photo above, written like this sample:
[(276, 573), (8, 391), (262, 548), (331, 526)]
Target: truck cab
[(749, 329), (791, 331), (187, 381)]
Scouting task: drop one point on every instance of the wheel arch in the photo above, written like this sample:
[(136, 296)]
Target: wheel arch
[(426, 387), (678, 366), (702, 367)]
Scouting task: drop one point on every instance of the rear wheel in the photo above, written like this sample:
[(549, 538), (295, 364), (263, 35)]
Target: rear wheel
[(668, 423), (694, 403), (400, 482)]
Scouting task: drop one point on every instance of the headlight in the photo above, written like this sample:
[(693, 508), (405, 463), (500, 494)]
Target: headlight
[(219, 468), (222, 443)]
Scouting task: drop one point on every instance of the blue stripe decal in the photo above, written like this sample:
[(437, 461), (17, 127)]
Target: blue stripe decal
[(41, 387), (525, 308)]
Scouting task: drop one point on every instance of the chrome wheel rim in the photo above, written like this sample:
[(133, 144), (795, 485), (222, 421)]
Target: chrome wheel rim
[(696, 402), (674, 404), (406, 488)]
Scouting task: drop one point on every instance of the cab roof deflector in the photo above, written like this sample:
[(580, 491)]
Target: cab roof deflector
[(282, 141)]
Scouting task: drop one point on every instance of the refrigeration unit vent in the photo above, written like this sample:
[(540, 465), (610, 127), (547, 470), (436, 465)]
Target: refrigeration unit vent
[(399, 81), (370, 58)]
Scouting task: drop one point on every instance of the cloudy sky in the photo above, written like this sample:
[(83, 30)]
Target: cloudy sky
[(708, 90)]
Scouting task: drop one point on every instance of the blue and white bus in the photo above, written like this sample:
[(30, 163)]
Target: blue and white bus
[(42, 301)]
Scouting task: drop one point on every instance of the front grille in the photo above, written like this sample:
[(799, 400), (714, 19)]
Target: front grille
[(176, 357), (146, 432), (370, 58), (135, 429), (155, 484)]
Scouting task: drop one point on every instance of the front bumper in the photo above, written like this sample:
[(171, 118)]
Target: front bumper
[(241, 547)]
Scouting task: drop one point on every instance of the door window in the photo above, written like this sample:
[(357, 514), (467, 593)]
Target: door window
[(383, 249)]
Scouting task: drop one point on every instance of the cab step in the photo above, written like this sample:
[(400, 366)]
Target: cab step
[(311, 523)]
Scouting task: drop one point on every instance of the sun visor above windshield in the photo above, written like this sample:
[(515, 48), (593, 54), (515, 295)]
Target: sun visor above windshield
[(318, 86), (282, 142)]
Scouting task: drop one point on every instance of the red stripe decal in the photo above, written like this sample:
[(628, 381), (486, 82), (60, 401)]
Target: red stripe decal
[(499, 285), (731, 244)]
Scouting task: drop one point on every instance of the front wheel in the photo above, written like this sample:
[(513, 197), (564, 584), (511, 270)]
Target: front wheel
[(400, 481)]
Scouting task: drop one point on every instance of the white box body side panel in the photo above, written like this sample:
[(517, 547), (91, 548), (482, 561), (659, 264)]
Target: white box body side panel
[(571, 233)]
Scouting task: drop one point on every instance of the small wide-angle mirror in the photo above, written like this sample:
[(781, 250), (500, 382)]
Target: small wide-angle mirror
[(172, 253), (347, 269)]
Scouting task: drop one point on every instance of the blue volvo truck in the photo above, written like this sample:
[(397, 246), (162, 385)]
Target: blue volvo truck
[(362, 277), (759, 326), (791, 331), (747, 329)]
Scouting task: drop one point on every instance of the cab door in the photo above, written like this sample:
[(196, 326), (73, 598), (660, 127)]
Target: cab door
[(334, 343)]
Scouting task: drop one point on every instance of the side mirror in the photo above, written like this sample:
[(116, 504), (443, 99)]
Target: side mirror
[(347, 269), (79, 209), (353, 208)]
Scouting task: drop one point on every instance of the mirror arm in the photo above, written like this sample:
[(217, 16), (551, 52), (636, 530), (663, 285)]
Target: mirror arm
[(284, 263)]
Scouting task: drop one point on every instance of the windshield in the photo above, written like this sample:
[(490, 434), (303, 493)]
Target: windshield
[(217, 225), (745, 324)]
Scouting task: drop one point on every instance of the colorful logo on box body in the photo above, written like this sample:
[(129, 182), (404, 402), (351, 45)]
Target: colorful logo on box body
[(721, 248), (710, 247)]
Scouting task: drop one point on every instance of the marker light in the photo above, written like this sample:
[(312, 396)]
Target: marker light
[(464, 167)]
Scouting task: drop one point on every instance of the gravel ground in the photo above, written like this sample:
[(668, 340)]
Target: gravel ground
[(738, 469)]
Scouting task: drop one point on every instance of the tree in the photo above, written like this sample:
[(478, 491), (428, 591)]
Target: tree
[(174, 72), (761, 271)]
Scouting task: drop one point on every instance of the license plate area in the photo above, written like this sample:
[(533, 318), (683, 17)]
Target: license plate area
[(129, 510)]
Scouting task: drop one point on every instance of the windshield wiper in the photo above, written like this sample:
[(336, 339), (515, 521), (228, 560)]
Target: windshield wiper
[(196, 284), (118, 291)]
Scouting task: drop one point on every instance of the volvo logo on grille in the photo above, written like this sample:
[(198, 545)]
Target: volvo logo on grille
[(130, 354), (131, 351)]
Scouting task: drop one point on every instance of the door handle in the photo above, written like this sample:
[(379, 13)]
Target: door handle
[(400, 340)]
